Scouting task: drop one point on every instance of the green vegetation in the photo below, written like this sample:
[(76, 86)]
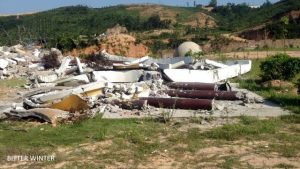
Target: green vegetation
[(138, 140), (62, 27), (232, 17), (284, 95), (280, 67), (213, 3), (13, 83)]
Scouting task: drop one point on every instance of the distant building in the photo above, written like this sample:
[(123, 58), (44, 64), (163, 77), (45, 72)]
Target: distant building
[(254, 6)]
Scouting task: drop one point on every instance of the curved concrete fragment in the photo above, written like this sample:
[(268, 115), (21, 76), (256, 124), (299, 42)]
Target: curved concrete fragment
[(208, 76)]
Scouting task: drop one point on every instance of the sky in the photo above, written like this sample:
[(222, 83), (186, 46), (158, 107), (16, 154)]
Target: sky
[(27, 6)]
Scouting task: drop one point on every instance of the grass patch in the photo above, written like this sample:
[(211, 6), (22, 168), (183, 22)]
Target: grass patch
[(249, 127), (13, 83), (283, 165), (137, 140), (230, 162)]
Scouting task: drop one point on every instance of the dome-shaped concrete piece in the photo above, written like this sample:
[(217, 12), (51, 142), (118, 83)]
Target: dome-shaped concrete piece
[(186, 47)]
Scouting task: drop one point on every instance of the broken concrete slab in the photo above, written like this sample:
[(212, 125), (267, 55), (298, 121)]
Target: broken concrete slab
[(118, 66), (48, 115), (208, 76), (54, 95), (79, 65), (71, 103), (47, 78), (74, 81), (11, 62), (3, 64), (110, 57), (64, 65), (214, 63), (197, 65), (172, 66), (117, 76), (137, 61), (19, 60)]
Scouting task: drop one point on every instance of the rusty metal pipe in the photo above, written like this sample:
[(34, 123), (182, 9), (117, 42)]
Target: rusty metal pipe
[(179, 103), (193, 86), (203, 94)]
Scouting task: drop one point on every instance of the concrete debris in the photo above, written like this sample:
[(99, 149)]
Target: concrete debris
[(52, 116), (117, 76), (52, 59), (179, 103), (74, 81), (64, 65), (3, 64), (79, 65), (208, 76), (47, 78), (64, 88)]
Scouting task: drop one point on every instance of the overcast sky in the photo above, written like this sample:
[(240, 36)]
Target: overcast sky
[(24, 6)]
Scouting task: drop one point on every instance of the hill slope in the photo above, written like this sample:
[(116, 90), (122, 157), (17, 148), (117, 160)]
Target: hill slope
[(69, 22), (81, 20)]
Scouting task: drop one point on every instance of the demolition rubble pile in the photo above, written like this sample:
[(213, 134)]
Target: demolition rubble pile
[(66, 88)]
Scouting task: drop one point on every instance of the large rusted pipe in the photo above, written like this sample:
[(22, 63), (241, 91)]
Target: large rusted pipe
[(179, 103), (203, 94), (193, 86)]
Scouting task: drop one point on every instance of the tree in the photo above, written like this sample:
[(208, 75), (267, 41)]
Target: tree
[(213, 3), (266, 4), (284, 22)]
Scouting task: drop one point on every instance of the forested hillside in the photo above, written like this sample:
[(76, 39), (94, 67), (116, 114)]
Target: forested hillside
[(67, 23)]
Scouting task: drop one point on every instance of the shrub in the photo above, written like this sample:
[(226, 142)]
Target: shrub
[(281, 67)]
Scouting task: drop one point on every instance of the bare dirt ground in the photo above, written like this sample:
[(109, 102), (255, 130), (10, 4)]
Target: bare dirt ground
[(9, 95), (198, 19), (254, 54), (149, 10), (120, 44), (201, 20)]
